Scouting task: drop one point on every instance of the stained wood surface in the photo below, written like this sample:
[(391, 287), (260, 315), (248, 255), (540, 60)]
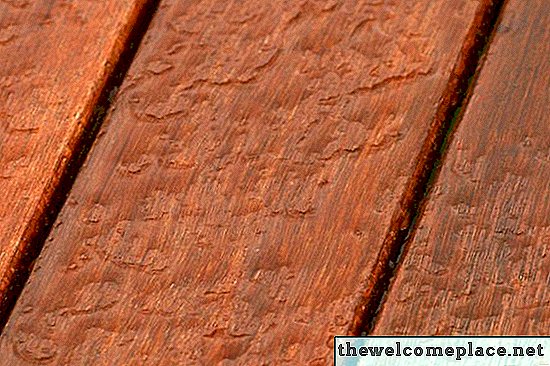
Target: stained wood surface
[(238, 195), (479, 261), (54, 59)]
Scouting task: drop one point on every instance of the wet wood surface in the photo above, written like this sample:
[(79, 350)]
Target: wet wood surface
[(54, 59), (479, 262), (236, 199)]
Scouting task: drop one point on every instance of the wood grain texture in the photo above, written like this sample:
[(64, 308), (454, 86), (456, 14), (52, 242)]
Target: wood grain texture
[(238, 195), (55, 57), (479, 261)]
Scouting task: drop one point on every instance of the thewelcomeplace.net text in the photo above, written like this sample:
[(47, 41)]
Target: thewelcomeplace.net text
[(469, 349)]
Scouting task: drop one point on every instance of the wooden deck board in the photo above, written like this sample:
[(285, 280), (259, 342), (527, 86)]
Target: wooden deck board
[(54, 59), (479, 261), (238, 195)]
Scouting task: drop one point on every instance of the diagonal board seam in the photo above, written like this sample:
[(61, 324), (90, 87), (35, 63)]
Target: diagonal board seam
[(68, 165), (448, 115)]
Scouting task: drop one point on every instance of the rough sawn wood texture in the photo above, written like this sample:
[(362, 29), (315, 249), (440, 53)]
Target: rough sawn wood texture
[(238, 195), (54, 59), (479, 262)]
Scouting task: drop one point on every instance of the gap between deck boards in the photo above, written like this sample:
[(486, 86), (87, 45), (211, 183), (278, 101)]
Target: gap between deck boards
[(449, 113), (38, 233)]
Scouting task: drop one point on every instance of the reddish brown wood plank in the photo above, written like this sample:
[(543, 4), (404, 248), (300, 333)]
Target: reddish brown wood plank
[(236, 202), (479, 261), (55, 57)]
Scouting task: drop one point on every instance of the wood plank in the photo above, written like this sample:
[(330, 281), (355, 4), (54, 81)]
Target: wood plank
[(479, 261), (55, 58), (238, 197)]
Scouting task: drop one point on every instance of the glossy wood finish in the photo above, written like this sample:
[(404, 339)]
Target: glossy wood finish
[(479, 262), (55, 57), (236, 200)]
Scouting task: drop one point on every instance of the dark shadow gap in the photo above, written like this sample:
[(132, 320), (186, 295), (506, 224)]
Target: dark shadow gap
[(38, 231), (428, 165)]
